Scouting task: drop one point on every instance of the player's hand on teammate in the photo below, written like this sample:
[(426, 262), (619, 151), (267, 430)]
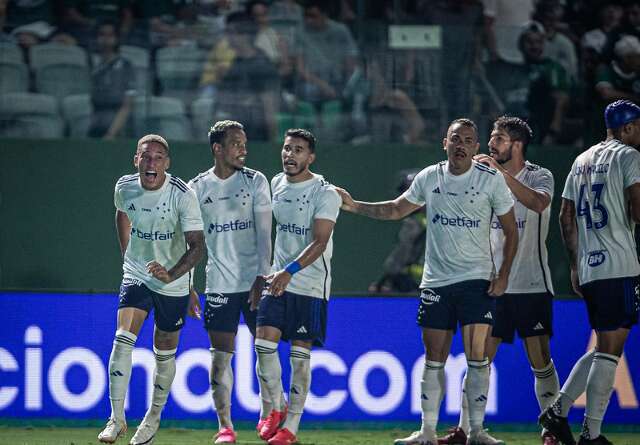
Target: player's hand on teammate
[(348, 203), (278, 282), (255, 293), (575, 283), (498, 286), (194, 309), (488, 161), (159, 272)]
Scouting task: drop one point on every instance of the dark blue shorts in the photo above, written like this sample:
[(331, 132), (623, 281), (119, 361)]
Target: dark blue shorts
[(222, 312), (170, 312), (529, 314), (613, 303), (465, 303), (298, 317)]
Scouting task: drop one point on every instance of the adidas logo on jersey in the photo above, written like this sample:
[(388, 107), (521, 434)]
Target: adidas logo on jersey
[(131, 207), (488, 316), (436, 190), (302, 330), (208, 200), (538, 327)]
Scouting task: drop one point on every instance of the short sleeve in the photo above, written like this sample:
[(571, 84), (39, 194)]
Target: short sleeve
[(190, 216), (262, 194), (415, 193), (630, 163), (117, 198), (501, 200), (569, 192), (328, 205), (543, 182)]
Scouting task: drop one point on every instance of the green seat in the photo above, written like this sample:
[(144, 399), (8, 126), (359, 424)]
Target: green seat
[(60, 70), (165, 116)]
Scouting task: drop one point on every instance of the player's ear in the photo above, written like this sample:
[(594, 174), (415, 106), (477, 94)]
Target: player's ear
[(477, 147), (444, 144), (312, 158), (135, 160)]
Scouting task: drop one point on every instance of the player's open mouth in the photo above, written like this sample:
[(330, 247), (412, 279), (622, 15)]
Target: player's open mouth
[(290, 163), (151, 174), (241, 158), (460, 155)]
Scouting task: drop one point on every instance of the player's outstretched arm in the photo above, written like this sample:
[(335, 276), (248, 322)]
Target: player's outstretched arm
[(500, 283), (389, 210), (194, 253), (322, 229), (123, 228), (569, 232)]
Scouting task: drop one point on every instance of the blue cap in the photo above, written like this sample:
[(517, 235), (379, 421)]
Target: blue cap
[(620, 112)]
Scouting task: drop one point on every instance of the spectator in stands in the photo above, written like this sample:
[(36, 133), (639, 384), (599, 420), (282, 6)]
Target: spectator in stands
[(326, 58), (247, 85), (503, 22), (601, 39), (267, 39), (558, 47), (25, 12), (81, 16), (537, 90), (113, 89), (155, 22)]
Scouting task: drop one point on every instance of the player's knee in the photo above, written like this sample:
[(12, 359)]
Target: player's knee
[(222, 341)]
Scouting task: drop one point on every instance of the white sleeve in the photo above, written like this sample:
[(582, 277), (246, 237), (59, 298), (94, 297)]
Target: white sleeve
[(569, 192), (415, 193), (630, 164), (328, 205), (501, 200), (262, 194), (544, 182), (117, 198), (190, 216)]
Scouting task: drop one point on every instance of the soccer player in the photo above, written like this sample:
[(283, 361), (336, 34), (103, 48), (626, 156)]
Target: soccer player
[(160, 233), (236, 209), (600, 207), (294, 306), (526, 306), (458, 282)]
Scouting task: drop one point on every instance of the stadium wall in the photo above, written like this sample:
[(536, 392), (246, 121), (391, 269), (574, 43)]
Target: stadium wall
[(54, 351), (56, 202)]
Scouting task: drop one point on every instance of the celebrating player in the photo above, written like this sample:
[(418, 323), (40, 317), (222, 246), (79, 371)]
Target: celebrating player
[(458, 282), (236, 208), (600, 207), (526, 306), (294, 307), (160, 233)]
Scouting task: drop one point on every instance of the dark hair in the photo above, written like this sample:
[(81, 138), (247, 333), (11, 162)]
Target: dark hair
[(321, 5), (249, 7), (241, 23), (109, 22), (303, 134), (516, 128), (465, 123), (219, 130)]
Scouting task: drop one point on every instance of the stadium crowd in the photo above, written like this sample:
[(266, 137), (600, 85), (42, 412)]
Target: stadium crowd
[(121, 68)]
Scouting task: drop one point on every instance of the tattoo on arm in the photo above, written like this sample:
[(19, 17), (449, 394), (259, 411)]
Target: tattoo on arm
[(569, 231), (194, 253)]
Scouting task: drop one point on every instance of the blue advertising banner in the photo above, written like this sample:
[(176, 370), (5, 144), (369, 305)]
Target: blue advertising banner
[(54, 352)]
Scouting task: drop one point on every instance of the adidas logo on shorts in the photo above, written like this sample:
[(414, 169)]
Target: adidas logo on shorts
[(179, 322), (488, 315), (302, 330), (538, 327)]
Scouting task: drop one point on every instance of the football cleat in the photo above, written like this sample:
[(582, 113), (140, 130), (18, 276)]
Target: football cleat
[(225, 435), (417, 438), (146, 432), (112, 430), (272, 423), (260, 425), (549, 439), (482, 437), (283, 437), (456, 436), (557, 425), (600, 440)]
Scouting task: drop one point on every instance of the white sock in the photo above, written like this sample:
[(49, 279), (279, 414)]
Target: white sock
[(546, 385), (599, 388), (270, 371), (120, 371), (265, 402), (574, 386), (221, 379), (432, 387), (300, 383), (477, 389), (464, 408), (162, 379)]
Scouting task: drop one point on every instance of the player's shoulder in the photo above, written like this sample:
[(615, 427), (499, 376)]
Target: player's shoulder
[(277, 179), (178, 184), (537, 170), (252, 175), (128, 181), (484, 169), (200, 178)]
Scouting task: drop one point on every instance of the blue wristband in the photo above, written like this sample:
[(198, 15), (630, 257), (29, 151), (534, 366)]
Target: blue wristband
[(293, 267)]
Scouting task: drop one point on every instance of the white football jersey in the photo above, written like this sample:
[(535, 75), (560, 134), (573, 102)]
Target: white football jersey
[(158, 219), (596, 184), (228, 211), (530, 268), (459, 210), (295, 207)]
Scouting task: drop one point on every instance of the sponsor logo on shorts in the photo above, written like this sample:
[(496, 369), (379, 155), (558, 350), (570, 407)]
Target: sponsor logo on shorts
[(429, 297), (596, 258), (456, 221), (217, 300)]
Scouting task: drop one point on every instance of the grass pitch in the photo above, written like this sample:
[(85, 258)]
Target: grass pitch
[(15, 435)]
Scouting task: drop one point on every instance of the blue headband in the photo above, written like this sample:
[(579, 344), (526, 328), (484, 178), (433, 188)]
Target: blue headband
[(620, 112)]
